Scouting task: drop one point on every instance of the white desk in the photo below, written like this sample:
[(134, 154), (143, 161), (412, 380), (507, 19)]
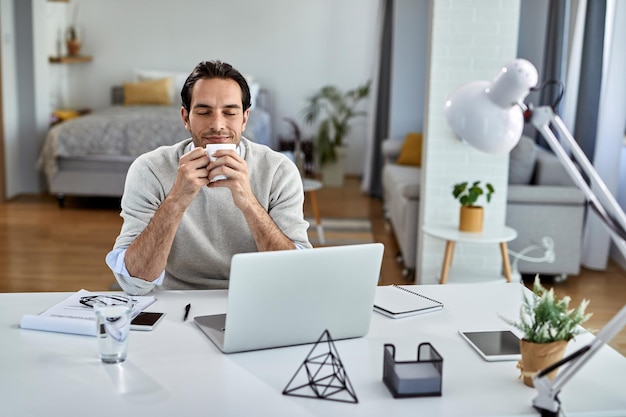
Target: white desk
[(176, 371), (452, 234)]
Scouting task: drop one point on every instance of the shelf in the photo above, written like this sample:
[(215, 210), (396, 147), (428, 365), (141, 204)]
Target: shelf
[(70, 59)]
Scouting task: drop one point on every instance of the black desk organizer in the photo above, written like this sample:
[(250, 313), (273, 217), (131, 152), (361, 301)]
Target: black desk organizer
[(322, 375), (421, 378)]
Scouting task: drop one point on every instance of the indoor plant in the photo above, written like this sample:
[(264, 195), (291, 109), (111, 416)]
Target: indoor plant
[(73, 35), (547, 324), (471, 215), (334, 110)]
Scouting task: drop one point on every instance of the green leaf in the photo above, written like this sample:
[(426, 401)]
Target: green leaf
[(544, 318), (469, 196), (333, 110)]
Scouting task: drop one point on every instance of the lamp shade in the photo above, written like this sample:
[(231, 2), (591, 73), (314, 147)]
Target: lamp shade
[(486, 114)]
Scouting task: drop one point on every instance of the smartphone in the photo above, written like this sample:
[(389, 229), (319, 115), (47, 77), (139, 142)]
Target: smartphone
[(494, 345), (146, 321)]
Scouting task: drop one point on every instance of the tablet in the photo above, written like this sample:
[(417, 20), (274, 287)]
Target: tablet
[(494, 345)]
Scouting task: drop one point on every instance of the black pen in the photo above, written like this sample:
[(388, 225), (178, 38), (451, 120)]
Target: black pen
[(187, 308)]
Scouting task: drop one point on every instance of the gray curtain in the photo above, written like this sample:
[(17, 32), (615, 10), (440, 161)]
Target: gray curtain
[(383, 100), (554, 55), (589, 89)]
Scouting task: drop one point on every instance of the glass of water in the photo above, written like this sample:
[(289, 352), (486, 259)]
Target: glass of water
[(112, 328)]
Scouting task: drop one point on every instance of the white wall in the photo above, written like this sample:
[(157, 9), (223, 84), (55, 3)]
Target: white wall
[(291, 47), (26, 78), (9, 96), (469, 41)]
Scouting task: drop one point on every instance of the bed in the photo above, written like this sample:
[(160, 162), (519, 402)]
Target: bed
[(90, 155)]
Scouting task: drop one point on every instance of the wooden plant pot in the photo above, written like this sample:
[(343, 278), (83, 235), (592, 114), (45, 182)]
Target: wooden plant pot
[(73, 47), (471, 219), (538, 356)]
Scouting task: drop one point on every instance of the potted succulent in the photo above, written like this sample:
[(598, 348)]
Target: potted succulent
[(471, 215), (73, 42), (333, 110), (73, 35), (547, 324)]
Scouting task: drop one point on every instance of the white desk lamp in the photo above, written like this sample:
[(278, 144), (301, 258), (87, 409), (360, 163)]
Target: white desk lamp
[(490, 116)]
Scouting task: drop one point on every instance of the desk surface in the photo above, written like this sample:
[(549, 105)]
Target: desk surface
[(176, 370)]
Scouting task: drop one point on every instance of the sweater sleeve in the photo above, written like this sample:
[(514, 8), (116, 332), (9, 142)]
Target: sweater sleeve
[(287, 202), (143, 194)]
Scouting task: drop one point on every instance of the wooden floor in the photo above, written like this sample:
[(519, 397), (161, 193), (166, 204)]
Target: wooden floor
[(45, 248)]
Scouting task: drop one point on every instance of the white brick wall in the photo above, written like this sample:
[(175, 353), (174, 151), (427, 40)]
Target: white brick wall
[(469, 40)]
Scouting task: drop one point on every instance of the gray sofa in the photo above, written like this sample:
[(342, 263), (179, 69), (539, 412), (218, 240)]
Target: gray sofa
[(542, 202)]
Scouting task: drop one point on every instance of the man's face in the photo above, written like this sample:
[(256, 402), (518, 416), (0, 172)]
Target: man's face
[(215, 114)]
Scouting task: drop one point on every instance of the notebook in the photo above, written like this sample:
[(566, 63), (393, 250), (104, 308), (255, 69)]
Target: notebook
[(397, 302), (286, 298)]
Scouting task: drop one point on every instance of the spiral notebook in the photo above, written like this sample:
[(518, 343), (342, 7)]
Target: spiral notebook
[(397, 302)]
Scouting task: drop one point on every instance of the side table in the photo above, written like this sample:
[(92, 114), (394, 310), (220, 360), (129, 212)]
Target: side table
[(452, 235), (310, 186)]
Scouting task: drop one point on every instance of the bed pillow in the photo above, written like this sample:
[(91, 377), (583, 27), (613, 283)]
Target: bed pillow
[(254, 93), (147, 92), (254, 89), (177, 80), (411, 151)]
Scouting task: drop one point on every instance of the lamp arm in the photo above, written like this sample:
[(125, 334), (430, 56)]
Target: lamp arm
[(601, 200), (605, 205)]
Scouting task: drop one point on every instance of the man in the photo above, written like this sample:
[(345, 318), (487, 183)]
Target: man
[(180, 229)]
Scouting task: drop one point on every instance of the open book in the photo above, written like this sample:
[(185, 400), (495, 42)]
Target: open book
[(397, 302), (70, 316)]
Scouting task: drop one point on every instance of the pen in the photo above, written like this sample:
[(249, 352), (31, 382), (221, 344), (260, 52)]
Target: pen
[(187, 308)]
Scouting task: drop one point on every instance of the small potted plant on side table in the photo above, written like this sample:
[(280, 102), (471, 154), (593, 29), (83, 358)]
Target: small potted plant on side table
[(471, 215), (548, 324)]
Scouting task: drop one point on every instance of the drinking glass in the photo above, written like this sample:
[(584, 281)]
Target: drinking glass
[(113, 327)]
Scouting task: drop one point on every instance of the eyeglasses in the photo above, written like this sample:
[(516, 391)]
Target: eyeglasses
[(104, 300)]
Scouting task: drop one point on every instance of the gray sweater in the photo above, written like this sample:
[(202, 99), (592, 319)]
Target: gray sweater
[(212, 229)]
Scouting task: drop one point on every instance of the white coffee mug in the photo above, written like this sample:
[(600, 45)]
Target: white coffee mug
[(212, 147)]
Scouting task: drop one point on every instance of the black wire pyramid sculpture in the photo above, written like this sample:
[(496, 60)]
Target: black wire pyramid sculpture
[(322, 375)]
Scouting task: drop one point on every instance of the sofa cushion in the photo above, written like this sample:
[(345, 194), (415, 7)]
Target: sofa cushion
[(545, 195), (550, 171), (411, 151), (391, 150), (404, 179), (522, 161)]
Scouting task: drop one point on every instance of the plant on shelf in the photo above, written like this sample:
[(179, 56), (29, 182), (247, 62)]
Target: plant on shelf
[(547, 324), (73, 35), (334, 110), (471, 215)]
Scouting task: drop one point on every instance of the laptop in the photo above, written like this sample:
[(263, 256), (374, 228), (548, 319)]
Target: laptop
[(286, 298)]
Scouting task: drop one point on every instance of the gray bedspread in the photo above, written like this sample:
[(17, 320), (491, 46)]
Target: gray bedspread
[(127, 131)]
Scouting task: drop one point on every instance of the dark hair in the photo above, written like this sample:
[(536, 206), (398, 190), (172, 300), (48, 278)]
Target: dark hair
[(215, 69)]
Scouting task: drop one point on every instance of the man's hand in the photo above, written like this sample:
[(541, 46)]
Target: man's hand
[(191, 177), (235, 169), (147, 256), (266, 234)]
